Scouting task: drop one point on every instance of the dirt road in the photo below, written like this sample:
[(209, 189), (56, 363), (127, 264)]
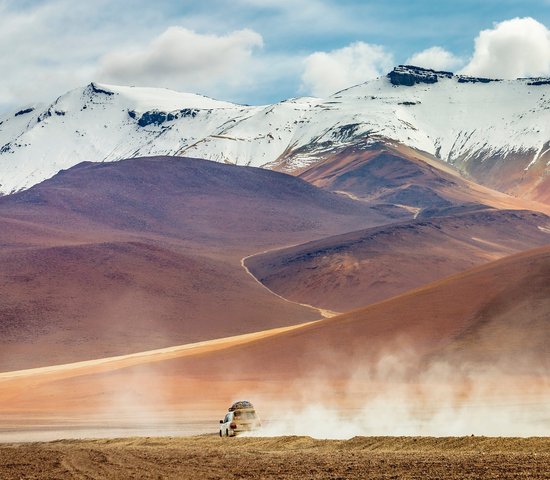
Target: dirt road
[(322, 311), (209, 457)]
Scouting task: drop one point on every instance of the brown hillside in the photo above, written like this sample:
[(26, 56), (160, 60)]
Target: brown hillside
[(113, 258), (358, 268)]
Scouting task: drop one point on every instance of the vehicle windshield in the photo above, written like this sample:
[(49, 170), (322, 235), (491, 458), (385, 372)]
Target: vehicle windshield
[(245, 414)]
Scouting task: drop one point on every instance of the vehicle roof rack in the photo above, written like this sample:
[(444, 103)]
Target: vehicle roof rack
[(240, 405)]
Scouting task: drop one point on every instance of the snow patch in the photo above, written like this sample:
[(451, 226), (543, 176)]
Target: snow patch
[(452, 117)]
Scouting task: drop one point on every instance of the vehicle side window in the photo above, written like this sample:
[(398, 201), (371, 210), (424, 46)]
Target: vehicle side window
[(227, 418)]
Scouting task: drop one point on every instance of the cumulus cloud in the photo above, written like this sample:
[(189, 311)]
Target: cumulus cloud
[(436, 58), (328, 72), (47, 48), (184, 59), (519, 47)]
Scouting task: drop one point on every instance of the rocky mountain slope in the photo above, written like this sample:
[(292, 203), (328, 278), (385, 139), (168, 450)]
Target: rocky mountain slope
[(495, 131)]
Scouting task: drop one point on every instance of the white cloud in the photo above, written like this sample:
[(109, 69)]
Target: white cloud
[(519, 47), (436, 58), (183, 59), (47, 48), (328, 72)]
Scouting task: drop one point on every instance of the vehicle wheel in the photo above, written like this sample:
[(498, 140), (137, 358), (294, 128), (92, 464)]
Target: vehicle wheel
[(227, 433), (220, 433)]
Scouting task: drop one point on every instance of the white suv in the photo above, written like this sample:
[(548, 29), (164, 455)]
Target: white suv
[(240, 418)]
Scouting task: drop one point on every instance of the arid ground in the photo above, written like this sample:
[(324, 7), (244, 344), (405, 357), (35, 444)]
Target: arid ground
[(211, 457)]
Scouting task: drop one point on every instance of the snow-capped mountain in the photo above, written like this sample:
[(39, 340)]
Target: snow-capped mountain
[(477, 124), (99, 123)]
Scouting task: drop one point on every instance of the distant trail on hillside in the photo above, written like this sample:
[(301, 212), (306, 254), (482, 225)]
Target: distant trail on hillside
[(324, 312)]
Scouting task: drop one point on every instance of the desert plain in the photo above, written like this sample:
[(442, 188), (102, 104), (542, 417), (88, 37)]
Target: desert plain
[(209, 457)]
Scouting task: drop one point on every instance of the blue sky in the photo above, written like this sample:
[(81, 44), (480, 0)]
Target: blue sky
[(257, 51)]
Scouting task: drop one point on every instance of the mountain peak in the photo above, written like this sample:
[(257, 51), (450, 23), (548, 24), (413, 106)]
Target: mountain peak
[(410, 75), (150, 98), (99, 89)]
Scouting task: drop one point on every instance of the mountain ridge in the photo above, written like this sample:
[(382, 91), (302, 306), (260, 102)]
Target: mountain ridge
[(495, 131)]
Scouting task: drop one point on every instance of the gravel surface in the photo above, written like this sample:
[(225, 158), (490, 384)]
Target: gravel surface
[(210, 457)]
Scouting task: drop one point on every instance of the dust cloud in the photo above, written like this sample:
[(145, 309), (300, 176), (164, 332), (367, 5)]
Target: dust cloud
[(444, 399)]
